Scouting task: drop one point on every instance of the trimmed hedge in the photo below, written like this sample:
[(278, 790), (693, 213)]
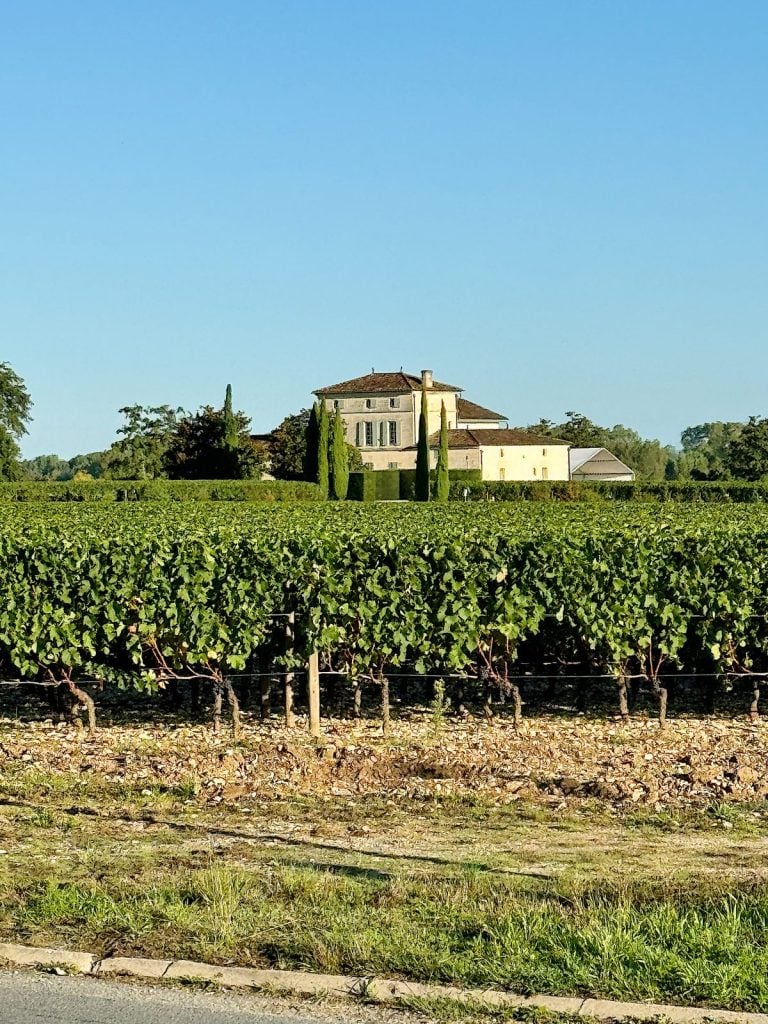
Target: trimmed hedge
[(460, 478), (400, 484), (387, 484), (362, 486), (160, 490), (737, 491)]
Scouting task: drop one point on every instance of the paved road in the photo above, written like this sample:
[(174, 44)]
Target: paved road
[(31, 998)]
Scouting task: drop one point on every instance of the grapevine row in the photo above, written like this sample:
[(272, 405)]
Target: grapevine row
[(138, 596)]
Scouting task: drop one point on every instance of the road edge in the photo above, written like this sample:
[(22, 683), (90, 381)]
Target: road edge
[(374, 990)]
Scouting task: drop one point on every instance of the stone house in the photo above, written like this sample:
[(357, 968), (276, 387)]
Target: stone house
[(381, 416)]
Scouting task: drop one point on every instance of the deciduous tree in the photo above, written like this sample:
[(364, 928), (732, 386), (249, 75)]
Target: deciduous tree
[(145, 438), (15, 405), (747, 455), (198, 450)]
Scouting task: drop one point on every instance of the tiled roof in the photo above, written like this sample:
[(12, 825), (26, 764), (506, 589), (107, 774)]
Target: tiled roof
[(382, 383), (467, 410), (495, 439)]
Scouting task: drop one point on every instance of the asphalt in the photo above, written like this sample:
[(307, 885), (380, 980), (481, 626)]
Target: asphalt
[(32, 998)]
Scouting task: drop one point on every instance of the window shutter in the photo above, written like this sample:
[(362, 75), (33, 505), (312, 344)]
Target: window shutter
[(359, 434), (382, 435)]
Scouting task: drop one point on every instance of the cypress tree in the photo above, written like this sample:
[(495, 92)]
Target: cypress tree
[(443, 480), (231, 438), (322, 449), (340, 459), (312, 440), (422, 453)]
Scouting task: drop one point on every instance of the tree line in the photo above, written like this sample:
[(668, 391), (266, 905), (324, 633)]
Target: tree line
[(163, 442), (215, 443), (714, 450)]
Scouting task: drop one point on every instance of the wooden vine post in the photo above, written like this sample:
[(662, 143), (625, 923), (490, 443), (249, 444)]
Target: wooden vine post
[(290, 625), (621, 681), (265, 689), (313, 676)]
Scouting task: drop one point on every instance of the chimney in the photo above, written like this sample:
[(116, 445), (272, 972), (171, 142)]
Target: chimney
[(426, 379)]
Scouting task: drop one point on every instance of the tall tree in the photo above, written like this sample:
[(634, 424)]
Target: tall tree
[(15, 405), (145, 437), (197, 450), (312, 440), (747, 456), (705, 448), (443, 478), (231, 440), (422, 452), (288, 447), (323, 441), (339, 459)]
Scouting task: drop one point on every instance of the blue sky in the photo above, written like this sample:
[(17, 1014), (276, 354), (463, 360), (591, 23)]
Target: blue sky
[(556, 205)]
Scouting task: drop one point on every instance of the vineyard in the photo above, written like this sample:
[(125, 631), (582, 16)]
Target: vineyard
[(142, 597)]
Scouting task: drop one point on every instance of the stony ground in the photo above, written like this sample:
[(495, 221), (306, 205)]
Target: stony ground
[(693, 762)]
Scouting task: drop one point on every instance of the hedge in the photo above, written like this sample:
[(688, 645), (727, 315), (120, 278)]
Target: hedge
[(460, 478), (160, 490), (362, 486), (387, 484), (738, 491)]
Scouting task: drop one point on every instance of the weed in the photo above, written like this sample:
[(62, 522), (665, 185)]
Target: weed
[(203, 984), (439, 708)]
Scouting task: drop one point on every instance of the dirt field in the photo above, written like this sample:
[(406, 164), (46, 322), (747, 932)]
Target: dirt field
[(693, 762)]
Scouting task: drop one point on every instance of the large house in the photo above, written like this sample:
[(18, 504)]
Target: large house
[(381, 416)]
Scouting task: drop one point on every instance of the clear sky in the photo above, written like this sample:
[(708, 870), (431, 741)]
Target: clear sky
[(556, 204)]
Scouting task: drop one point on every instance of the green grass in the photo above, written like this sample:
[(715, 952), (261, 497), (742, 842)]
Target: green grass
[(665, 905), (657, 942)]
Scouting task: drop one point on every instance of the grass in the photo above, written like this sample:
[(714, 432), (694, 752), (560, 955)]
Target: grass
[(655, 942), (663, 906)]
